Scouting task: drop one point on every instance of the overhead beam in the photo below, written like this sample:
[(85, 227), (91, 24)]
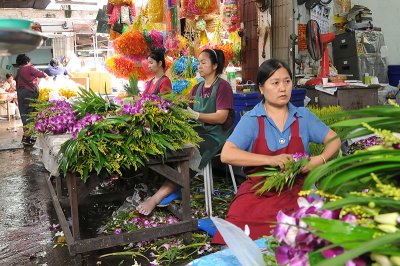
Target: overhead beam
[(37, 4), (37, 14), (66, 2)]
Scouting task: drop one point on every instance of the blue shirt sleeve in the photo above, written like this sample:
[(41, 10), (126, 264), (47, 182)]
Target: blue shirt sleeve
[(245, 133), (317, 130)]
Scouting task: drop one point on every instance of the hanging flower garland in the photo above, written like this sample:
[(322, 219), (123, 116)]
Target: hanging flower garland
[(236, 47), (123, 67), (230, 15), (227, 48), (131, 43), (155, 11)]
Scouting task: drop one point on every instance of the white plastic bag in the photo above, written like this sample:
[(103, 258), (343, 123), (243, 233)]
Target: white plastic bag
[(245, 250)]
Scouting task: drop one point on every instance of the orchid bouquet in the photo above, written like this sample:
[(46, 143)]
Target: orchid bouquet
[(277, 179), (56, 118)]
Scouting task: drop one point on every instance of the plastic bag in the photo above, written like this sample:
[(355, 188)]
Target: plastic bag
[(245, 250)]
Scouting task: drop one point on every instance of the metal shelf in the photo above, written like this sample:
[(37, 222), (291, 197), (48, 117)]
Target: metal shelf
[(19, 41)]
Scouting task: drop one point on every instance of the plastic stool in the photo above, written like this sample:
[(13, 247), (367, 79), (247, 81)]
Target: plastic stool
[(209, 185)]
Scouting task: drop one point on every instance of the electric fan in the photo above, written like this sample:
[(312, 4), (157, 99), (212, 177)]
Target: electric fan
[(317, 45)]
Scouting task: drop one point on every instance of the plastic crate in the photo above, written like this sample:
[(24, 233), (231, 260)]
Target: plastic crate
[(246, 99), (240, 111), (299, 103), (298, 94)]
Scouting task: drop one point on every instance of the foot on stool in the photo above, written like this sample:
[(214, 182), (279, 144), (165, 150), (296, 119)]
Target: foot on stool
[(176, 195), (207, 226)]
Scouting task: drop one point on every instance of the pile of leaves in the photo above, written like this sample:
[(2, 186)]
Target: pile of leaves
[(327, 114)]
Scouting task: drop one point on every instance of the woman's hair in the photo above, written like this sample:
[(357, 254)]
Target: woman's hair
[(217, 57), (158, 56), (268, 68), (8, 75), (54, 62), (22, 59)]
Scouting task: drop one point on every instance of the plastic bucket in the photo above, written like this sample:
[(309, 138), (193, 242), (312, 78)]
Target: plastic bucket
[(394, 75)]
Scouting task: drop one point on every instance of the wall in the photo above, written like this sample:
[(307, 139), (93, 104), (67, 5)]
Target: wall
[(385, 14)]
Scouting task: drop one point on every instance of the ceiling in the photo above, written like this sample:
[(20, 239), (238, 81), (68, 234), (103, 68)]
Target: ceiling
[(37, 4)]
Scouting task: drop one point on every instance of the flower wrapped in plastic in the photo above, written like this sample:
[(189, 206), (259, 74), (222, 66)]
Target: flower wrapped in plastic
[(57, 119), (185, 67), (123, 67), (183, 86), (230, 15), (131, 43), (155, 11), (154, 39)]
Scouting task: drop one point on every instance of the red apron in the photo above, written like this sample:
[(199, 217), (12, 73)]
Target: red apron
[(259, 211)]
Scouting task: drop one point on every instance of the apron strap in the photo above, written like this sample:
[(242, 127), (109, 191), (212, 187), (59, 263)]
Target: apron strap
[(158, 84), (294, 128)]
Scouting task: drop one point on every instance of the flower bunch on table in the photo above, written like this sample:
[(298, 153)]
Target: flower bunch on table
[(127, 137), (59, 117)]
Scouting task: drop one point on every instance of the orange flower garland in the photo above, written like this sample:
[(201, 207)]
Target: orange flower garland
[(122, 67), (227, 48), (131, 43)]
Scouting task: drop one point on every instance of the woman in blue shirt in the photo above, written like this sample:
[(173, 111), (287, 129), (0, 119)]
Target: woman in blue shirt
[(269, 135), (56, 69)]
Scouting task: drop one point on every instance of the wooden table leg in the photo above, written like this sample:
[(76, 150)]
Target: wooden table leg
[(8, 111), (73, 198), (58, 186), (183, 167)]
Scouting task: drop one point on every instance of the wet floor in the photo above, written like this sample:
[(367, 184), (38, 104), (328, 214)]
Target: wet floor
[(26, 213), (26, 210)]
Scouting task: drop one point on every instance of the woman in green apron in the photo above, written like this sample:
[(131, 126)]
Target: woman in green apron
[(160, 83), (213, 109)]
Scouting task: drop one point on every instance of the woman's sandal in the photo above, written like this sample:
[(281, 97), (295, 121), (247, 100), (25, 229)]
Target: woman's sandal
[(176, 195)]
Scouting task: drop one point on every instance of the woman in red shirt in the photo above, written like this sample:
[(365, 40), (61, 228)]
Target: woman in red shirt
[(160, 83), (27, 79)]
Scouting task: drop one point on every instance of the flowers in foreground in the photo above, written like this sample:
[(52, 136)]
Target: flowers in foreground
[(56, 119), (277, 179), (296, 241)]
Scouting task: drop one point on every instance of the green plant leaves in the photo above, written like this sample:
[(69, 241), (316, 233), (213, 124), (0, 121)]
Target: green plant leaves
[(123, 141)]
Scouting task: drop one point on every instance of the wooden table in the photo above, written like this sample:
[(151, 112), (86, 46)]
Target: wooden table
[(348, 97), (7, 107), (77, 245)]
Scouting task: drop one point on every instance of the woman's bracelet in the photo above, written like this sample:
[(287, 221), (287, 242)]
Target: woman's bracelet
[(323, 158)]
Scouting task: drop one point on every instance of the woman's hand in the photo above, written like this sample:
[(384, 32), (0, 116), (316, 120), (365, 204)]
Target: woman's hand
[(279, 160), (314, 162)]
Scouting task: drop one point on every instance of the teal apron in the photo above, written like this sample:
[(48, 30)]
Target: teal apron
[(157, 91), (214, 136)]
